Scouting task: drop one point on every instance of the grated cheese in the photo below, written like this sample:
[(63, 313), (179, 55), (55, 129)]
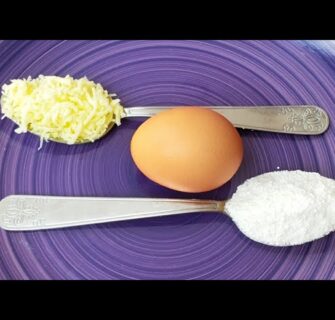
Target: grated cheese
[(60, 108)]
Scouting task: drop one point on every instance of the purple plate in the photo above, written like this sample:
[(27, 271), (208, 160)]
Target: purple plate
[(190, 246)]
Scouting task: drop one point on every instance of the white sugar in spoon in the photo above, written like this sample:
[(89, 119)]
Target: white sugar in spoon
[(282, 208)]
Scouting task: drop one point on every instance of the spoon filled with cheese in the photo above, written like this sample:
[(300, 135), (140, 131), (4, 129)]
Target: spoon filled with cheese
[(61, 109), (76, 111)]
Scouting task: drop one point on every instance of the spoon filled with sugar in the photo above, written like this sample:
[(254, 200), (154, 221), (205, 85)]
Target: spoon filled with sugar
[(282, 208)]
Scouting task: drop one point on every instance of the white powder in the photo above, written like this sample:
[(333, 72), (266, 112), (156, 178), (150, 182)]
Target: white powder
[(284, 208)]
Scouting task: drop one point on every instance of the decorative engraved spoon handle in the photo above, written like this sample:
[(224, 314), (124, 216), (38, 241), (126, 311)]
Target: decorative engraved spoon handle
[(22, 213), (306, 119)]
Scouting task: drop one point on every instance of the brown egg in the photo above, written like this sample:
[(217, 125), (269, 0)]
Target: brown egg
[(189, 149)]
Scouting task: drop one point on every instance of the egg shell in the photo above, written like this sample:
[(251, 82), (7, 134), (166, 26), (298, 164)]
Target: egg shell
[(189, 149)]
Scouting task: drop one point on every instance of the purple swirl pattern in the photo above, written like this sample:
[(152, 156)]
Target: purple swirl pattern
[(191, 246)]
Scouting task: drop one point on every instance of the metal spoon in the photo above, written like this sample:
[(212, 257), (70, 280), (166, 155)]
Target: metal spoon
[(304, 120), (301, 120), (25, 212), (29, 213)]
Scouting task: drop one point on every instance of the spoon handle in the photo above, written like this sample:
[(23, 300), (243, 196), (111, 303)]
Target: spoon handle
[(23, 213), (304, 120)]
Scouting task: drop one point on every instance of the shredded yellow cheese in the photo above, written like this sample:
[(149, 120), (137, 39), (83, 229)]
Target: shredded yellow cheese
[(60, 108)]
